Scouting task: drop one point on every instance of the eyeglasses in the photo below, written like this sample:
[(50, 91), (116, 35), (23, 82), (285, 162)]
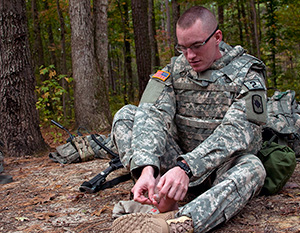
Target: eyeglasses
[(195, 47)]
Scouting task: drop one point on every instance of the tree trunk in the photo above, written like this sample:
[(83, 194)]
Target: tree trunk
[(127, 73), (38, 52), (51, 45), (254, 21), (155, 61), (221, 15), (89, 93), (176, 15), (245, 21), (240, 22), (19, 121), (101, 47), (168, 26), (272, 37), (142, 43), (63, 59)]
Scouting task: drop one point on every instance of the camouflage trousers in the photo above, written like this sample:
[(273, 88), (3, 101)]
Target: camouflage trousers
[(230, 188)]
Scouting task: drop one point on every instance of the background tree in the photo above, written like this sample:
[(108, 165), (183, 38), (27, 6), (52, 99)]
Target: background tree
[(63, 61), (90, 86), (101, 47), (127, 58), (176, 15), (155, 61), (38, 52), (276, 41), (142, 41), (19, 121)]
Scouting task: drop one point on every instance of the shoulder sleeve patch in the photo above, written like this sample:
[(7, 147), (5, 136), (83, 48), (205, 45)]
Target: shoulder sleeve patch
[(162, 75), (254, 85), (256, 107)]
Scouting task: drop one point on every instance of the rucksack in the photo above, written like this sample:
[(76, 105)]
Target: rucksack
[(281, 140), (283, 125)]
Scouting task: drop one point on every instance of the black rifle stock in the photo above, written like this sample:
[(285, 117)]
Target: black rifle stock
[(99, 181)]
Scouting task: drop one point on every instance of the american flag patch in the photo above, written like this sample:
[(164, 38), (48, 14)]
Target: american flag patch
[(162, 75)]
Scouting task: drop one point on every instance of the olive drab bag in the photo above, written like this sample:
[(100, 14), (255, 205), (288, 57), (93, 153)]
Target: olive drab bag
[(281, 137)]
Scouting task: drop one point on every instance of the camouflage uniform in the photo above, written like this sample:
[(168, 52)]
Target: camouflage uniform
[(210, 119)]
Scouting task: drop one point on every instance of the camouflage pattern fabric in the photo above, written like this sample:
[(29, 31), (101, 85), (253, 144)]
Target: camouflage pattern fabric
[(82, 148), (284, 120), (213, 120), (284, 113), (229, 194)]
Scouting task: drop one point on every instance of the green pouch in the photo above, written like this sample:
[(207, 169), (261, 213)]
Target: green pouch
[(279, 162)]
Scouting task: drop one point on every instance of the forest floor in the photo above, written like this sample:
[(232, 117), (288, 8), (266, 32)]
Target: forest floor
[(45, 197)]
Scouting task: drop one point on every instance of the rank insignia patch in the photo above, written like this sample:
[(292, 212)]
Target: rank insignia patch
[(257, 104), (162, 75)]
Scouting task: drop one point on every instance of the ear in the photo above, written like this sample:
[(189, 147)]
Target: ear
[(218, 36)]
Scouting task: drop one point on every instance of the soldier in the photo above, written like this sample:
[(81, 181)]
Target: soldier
[(197, 128)]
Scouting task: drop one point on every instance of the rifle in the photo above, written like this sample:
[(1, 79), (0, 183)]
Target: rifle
[(63, 128), (99, 181)]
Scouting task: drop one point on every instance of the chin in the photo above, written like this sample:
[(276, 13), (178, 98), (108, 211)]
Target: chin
[(200, 68)]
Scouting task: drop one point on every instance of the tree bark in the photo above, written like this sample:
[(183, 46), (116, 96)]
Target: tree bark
[(19, 121), (63, 59), (101, 47), (89, 97), (142, 43), (127, 71), (51, 44), (240, 22), (128, 56), (176, 15), (245, 21), (168, 25), (221, 15), (254, 21), (155, 61), (38, 52)]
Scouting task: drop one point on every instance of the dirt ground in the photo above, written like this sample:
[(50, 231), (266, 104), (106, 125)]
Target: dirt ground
[(45, 197)]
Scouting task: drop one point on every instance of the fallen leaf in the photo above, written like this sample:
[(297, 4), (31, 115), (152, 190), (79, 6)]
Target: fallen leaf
[(98, 212), (77, 197), (40, 200), (45, 216)]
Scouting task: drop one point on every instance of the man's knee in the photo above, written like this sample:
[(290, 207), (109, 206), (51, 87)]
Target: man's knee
[(252, 171), (127, 112)]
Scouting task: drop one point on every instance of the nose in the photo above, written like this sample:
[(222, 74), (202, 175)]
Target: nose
[(190, 54)]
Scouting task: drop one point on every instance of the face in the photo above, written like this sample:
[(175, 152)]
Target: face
[(199, 57)]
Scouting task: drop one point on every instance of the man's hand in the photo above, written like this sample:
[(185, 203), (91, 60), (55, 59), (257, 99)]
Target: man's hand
[(145, 183), (173, 184)]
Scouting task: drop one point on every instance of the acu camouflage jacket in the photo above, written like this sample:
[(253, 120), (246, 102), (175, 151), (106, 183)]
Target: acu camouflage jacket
[(218, 113)]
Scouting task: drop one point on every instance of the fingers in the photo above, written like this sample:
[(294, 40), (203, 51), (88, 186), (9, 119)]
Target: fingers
[(144, 186), (173, 187), (138, 195)]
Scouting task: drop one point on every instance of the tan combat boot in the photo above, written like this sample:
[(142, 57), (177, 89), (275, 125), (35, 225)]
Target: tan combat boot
[(152, 223)]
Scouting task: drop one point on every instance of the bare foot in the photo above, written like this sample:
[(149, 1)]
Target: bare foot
[(165, 204)]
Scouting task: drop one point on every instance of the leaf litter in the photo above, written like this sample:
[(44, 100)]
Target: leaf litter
[(45, 197)]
